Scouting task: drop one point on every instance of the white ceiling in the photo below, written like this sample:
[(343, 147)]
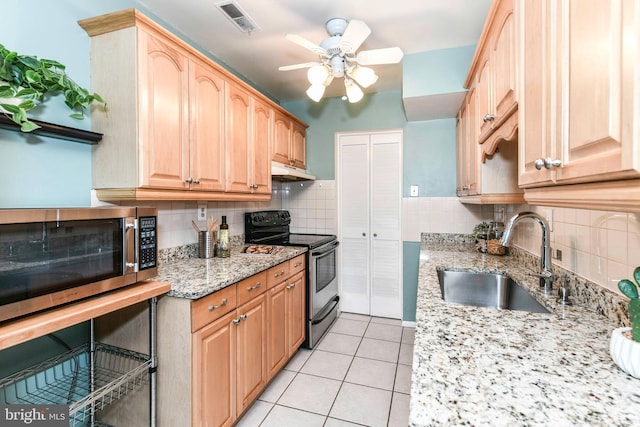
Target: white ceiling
[(413, 25)]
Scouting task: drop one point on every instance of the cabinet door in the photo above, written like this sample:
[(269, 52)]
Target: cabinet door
[(295, 290), (238, 149), (260, 148), (599, 70), (461, 144), (472, 146), (386, 234), (484, 101), (504, 63), (206, 96), (251, 351), (354, 245), (214, 373), (277, 348), (299, 146), (281, 137), (164, 113), (536, 135)]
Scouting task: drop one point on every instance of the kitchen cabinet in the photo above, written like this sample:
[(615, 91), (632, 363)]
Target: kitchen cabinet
[(493, 74), (289, 143), (579, 106), (178, 126), (286, 313), (220, 346), (370, 195), (248, 136), (486, 133)]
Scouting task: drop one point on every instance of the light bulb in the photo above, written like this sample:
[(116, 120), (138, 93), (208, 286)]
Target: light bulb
[(315, 92), (317, 74), (365, 76), (354, 93)]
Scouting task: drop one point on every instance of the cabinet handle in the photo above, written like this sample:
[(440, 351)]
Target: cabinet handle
[(188, 180), (223, 302), (196, 181), (243, 316), (279, 274), (250, 288), (291, 286), (547, 163), (465, 187), (488, 118), (297, 265), (236, 321), (254, 186)]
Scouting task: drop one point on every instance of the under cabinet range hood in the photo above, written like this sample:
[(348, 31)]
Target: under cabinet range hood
[(281, 172)]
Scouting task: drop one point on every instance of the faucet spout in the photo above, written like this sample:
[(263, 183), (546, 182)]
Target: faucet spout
[(546, 275)]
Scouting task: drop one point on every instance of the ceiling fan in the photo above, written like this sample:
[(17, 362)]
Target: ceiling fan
[(339, 58)]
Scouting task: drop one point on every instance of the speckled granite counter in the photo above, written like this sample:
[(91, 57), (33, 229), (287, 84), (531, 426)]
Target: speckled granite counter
[(194, 278), (480, 366)]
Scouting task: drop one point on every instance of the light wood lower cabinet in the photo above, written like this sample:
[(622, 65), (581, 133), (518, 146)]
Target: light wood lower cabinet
[(219, 352)]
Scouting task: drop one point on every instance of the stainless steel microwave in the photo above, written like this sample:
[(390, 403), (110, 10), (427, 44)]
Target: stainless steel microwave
[(50, 257)]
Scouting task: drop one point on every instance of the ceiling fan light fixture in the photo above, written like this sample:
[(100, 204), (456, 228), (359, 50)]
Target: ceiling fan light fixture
[(354, 93), (317, 74), (364, 76), (315, 92)]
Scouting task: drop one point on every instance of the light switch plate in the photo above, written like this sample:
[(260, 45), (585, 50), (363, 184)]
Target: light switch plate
[(414, 191)]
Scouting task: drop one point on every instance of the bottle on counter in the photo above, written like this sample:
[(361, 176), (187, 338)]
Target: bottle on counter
[(223, 245)]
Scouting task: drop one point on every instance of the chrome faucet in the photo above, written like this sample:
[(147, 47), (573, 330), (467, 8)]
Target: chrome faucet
[(546, 275)]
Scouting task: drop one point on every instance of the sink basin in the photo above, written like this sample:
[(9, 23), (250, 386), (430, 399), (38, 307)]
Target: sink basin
[(486, 290)]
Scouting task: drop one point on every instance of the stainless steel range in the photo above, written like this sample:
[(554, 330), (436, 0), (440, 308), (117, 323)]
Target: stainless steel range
[(272, 228)]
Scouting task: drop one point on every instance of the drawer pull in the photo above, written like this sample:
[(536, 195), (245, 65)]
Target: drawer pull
[(297, 265), (291, 286), (213, 307), (279, 274), (236, 321), (243, 316), (250, 288)]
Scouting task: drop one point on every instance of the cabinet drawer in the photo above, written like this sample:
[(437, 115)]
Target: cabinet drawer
[(211, 307), (277, 274), (296, 264), (251, 287)]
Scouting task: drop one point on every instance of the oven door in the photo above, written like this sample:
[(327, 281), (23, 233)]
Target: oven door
[(323, 282)]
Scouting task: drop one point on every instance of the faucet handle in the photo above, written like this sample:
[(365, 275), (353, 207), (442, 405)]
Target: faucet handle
[(546, 279)]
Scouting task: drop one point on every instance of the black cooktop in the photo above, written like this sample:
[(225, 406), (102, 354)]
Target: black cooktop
[(272, 228)]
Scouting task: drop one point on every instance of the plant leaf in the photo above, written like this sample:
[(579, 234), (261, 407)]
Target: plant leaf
[(27, 105), (10, 108), (6, 92), (28, 126), (78, 116), (636, 275), (628, 288)]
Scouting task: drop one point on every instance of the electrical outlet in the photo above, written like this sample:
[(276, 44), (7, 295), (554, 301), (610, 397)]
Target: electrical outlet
[(202, 212), (414, 191)]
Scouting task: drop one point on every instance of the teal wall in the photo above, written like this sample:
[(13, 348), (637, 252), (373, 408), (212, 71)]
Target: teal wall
[(436, 71), (411, 255)]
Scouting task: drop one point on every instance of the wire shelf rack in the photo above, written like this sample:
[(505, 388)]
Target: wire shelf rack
[(69, 379)]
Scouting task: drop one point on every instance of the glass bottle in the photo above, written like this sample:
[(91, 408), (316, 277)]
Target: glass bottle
[(223, 245)]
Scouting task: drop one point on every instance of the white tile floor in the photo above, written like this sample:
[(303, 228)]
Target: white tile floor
[(358, 375)]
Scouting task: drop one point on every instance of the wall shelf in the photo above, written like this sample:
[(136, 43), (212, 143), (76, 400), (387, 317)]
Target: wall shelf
[(55, 131)]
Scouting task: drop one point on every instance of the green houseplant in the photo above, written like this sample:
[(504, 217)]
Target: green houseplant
[(625, 342), (25, 81)]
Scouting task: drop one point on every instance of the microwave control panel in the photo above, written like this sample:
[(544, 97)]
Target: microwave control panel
[(148, 242)]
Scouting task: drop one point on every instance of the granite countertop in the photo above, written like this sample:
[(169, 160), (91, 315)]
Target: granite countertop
[(195, 278), (481, 366)]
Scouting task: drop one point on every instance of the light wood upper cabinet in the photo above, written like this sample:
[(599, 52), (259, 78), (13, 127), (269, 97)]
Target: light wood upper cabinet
[(580, 104), (290, 141), (299, 145), (493, 74), (207, 147), (248, 141), (178, 126)]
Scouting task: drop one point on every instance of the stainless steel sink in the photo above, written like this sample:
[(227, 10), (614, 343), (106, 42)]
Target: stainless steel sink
[(486, 290)]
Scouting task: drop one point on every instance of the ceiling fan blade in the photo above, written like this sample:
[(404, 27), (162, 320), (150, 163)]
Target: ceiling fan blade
[(355, 34), (298, 66), (301, 41), (389, 55)]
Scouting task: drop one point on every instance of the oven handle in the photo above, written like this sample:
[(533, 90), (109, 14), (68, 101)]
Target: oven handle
[(333, 247), (335, 301)]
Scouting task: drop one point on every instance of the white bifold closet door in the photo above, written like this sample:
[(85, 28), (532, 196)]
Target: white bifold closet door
[(370, 232)]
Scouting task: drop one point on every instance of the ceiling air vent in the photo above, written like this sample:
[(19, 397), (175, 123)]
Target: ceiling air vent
[(240, 19)]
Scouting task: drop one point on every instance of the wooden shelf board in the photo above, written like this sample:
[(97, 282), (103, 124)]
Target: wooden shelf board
[(39, 324)]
